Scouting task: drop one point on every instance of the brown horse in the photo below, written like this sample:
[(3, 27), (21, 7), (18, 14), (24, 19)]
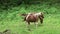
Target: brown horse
[(33, 17)]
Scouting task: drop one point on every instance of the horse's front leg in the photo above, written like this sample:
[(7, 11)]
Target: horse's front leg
[(41, 20), (36, 24), (28, 26)]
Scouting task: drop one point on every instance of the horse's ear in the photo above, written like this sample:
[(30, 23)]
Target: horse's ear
[(42, 14)]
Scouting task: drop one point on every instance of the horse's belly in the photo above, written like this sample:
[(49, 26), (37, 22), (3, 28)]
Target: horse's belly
[(33, 19)]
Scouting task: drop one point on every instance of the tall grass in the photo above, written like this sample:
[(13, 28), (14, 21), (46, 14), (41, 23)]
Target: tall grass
[(11, 19)]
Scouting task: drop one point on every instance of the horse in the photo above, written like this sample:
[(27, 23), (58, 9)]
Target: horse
[(33, 17)]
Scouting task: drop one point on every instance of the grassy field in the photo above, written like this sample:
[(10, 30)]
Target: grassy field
[(13, 21)]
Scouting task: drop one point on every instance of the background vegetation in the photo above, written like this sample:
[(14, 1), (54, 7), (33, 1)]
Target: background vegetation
[(10, 18)]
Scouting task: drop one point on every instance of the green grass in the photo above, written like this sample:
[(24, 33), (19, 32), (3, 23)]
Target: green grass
[(13, 21), (51, 25)]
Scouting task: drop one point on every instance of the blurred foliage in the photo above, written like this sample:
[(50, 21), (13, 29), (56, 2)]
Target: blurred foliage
[(5, 4), (10, 9)]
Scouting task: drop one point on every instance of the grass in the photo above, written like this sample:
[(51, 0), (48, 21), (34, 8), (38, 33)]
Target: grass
[(13, 21), (51, 25)]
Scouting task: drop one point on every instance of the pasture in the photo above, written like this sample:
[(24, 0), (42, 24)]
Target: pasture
[(14, 22)]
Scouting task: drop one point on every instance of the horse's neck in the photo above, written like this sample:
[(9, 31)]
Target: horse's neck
[(37, 14)]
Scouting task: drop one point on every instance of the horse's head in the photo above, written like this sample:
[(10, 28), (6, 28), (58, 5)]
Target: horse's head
[(40, 14)]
